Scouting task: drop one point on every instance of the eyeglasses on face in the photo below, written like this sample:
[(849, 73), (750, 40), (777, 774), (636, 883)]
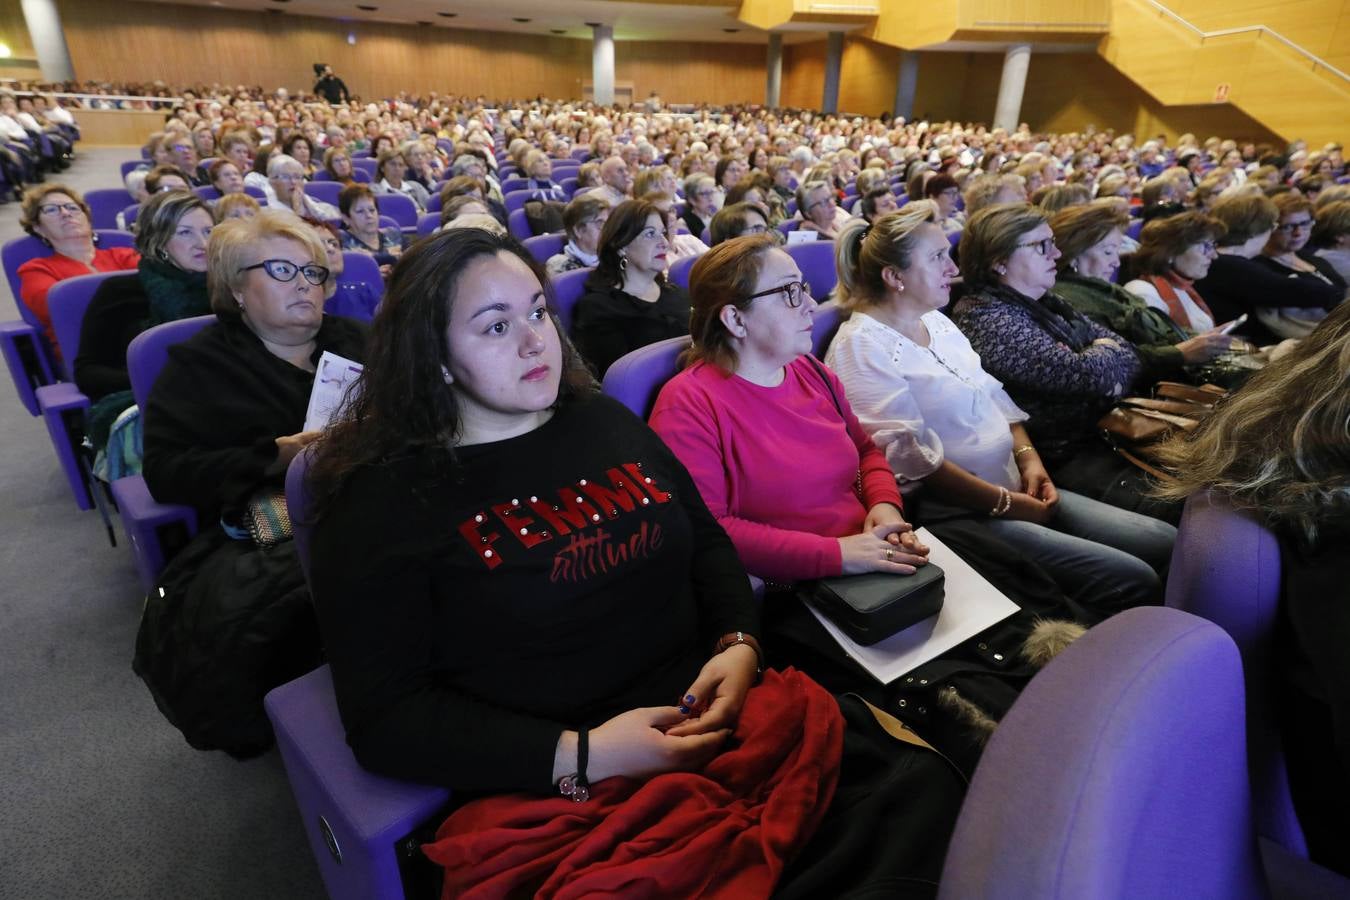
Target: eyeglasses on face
[(285, 271), (1289, 227), (51, 209), (288, 177), (794, 293), (1042, 247)]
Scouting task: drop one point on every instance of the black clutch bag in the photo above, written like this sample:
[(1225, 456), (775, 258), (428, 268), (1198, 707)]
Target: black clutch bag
[(872, 607)]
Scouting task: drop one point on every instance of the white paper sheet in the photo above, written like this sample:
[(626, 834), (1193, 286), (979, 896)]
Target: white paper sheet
[(802, 237), (331, 379), (972, 604)]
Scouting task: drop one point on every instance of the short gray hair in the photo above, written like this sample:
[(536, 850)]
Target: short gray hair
[(277, 162)]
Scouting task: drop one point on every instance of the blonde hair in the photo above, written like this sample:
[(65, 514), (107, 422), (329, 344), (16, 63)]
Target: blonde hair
[(232, 203), (36, 196), (1280, 446), (234, 243), (862, 252)]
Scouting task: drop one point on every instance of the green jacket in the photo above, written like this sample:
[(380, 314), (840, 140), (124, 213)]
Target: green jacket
[(1153, 333)]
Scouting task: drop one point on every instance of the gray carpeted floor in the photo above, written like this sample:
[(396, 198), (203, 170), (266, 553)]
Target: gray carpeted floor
[(99, 796)]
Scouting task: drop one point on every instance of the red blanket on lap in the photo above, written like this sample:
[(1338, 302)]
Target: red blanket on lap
[(727, 831)]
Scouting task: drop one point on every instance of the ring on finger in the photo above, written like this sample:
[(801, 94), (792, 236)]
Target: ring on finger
[(890, 554)]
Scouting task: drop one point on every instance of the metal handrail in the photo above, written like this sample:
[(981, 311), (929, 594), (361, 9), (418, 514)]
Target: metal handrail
[(1260, 29)]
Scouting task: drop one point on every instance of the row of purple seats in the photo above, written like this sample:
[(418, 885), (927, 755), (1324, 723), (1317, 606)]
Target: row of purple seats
[(28, 356)]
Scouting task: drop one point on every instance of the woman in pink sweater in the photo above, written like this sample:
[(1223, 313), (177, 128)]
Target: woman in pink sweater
[(767, 434)]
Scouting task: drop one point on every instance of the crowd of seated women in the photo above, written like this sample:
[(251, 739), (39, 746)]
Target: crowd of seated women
[(516, 525)]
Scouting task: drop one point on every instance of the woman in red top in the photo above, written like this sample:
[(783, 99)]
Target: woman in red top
[(59, 217)]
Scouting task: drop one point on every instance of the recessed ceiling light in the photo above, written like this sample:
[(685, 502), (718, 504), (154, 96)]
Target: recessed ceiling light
[(366, 8), (731, 30), (558, 30), (593, 24), (281, 1), (521, 19), (425, 24), (446, 15)]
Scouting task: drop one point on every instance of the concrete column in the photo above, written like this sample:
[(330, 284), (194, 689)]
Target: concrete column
[(1009, 107), (602, 63), (49, 40), (773, 83), (834, 57), (906, 85)]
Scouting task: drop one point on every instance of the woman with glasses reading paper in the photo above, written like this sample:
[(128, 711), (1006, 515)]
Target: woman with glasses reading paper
[(1060, 367), (231, 618)]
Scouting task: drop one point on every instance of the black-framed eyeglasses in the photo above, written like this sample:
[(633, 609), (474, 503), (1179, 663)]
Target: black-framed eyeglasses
[(51, 209), (1042, 246), (285, 271), (794, 293), (1288, 227)]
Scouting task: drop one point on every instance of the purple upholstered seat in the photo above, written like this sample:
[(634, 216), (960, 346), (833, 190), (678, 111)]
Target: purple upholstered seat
[(365, 164), (544, 246), (324, 191), (1134, 228), (518, 225), (636, 378), (427, 223), (679, 271), (816, 260), (63, 404), (144, 518), (567, 290), (1119, 772), (28, 356), (787, 226), (826, 322), (1226, 568), (359, 267), (398, 207), (105, 204), (354, 820)]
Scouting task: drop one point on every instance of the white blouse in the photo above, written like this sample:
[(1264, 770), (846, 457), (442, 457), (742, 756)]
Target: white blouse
[(1200, 320), (925, 404)]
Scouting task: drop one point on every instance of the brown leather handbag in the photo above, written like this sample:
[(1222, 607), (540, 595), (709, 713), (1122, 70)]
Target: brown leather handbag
[(1137, 424)]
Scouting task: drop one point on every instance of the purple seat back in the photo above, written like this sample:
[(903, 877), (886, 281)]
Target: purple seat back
[(354, 820), (954, 239), (514, 183), (518, 225), (360, 267), (826, 322), (105, 204), (569, 185), (789, 225), (515, 200), (427, 223), (581, 154), (132, 165), (66, 304), (680, 269), (434, 203), (1134, 228), (399, 208), (207, 192), (635, 379), (1226, 568), (20, 250), (366, 164), (326, 191), (567, 290), (816, 260), (149, 351), (543, 246), (1119, 772)]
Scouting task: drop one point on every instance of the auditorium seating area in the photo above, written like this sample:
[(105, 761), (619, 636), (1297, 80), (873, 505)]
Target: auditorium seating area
[(1086, 788)]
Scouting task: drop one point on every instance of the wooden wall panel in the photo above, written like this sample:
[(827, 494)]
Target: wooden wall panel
[(803, 75), (144, 41), (867, 77)]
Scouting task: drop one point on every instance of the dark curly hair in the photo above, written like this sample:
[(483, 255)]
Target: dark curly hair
[(400, 403)]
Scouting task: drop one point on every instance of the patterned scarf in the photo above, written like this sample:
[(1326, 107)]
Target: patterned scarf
[(173, 293), (1167, 287), (1055, 315)]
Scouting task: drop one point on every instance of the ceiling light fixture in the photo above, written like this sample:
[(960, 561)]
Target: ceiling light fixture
[(362, 6), (447, 15), (521, 19)]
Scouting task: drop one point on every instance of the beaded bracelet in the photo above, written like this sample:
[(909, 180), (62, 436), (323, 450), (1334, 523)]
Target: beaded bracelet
[(1004, 503)]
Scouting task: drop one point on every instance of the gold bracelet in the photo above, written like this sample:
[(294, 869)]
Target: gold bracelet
[(1025, 448)]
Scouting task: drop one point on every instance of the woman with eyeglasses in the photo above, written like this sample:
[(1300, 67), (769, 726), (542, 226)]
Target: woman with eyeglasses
[(1174, 253), (788, 470), (1063, 369), (1089, 240), (231, 617), (700, 194), (1286, 255), (628, 301), (337, 162), (951, 433), (59, 217), (816, 204), (738, 220)]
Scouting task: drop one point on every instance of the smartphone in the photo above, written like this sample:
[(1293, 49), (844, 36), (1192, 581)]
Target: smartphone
[(1228, 327)]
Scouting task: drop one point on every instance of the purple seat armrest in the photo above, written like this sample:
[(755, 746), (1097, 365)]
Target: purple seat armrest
[(142, 517), (61, 397), (15, 337)]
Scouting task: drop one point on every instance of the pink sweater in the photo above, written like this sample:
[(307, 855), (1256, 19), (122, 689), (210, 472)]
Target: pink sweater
[(776, 465)]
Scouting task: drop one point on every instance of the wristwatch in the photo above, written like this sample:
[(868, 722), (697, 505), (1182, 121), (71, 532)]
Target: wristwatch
[(740, 637)]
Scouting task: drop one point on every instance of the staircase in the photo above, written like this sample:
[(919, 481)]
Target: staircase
[(1271, 79)]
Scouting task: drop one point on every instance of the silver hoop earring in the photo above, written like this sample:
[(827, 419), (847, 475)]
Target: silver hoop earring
[(623, 264), (445, 374)]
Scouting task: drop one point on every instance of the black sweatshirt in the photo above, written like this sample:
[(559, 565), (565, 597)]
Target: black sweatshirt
[(115, 315), (215, 412), (472, 613), (609, 323), (1236, 285)]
